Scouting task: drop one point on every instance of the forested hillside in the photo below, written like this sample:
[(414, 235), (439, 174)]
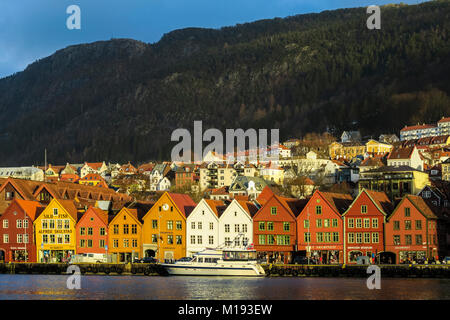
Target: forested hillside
[(119, 100)]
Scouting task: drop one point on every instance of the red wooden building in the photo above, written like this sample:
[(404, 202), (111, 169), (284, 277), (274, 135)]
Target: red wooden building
[(320, 229), (412, 231), (275, 228), (16, 235), (92, 231), (364, 225)]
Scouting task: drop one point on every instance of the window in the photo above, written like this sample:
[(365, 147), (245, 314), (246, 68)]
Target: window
[(407, 224), (262, 239), (396, 225), (227, 228), (19, 224), (273, 210), (335, 236), (407, 212), (5, 224), (154, 238), (244, 228), (82, 243), (155, 224), (396, 240), (25, 238), (318, 209), (169, 225), (408, 239), (307, 237), (270, 239), (115, 243), (374, 223), (419, 239), (52, 238), (351, 238), (306, 224), (199, 224), (134, 229), (199, 240), (227, 241), (366, 237), (102, 231), (211, 226), (192, 225), (89, 243), (262, 226), (366, 223), (55, 211), (236, 228), (116, 229), (82, 231), (66, 224), (102, 243), (286, 226), (351, 223), (179, 225), (52, 224), (359, 237), (363, 209), (19, 238), (319, 237), (134, 243), (335, 223), (418, 224), (179, 239), (327, 237), (319, 223), (326, 223), (126, 243), (270, 226), (358, 222), (211, 239), (90, 231), (236, 242)]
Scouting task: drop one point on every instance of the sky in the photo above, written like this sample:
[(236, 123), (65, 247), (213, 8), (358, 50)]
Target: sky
[(34, 29)]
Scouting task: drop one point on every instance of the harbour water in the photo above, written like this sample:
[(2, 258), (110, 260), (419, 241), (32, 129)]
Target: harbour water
[(224, 288)]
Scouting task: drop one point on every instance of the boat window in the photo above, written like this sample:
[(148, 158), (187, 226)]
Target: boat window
[(236, 255), (200, 260)]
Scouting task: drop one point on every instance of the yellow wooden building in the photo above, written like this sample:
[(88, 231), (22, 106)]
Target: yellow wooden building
[(164, 230), (378, 148), (125, 235), (55, 231)]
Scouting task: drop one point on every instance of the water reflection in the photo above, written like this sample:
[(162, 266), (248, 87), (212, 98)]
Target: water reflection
[(223, 288)]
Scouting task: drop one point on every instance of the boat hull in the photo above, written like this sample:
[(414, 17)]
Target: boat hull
[(186, 270)]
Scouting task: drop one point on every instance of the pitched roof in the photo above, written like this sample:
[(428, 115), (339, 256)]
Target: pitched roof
[(103, 215), (217, 206), (183, 202), (417, 127), (249, 207), (421, 205), (401, 153), (94, 165), (447, 119), (381, 200), (338, 201), (265, 195), (295, 206), (32, 208), (70, 207)]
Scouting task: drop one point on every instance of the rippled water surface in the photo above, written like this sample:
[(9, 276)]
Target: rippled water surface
[(204, 288)]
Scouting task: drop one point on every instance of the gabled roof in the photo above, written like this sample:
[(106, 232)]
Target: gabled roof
[(293, 205), (217, 206), (32, 208), (94, 165), (338, 201), (265, 195), (249, 207), (447, 119), (70, 207), (401, 153), (417, 127), (183, 202), (379, 199), (420, 204)]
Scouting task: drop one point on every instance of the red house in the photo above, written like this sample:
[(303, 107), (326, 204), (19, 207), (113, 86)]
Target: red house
[(412, 231), (275, 228), (92, 231), (16, 235), (320, 228), (364, 225)]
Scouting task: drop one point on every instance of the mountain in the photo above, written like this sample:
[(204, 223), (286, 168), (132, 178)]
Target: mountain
[(119, 100)]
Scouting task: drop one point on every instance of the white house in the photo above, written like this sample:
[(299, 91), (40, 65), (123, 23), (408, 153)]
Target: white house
[(406, 156), (158, 180), (236, 224), (97, 167), (28, 173), (202, 226)]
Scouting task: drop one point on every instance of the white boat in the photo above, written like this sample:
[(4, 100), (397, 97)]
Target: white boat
[(218, 262)]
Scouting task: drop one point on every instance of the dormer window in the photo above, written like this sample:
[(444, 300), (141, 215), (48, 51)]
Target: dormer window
[(55, 211)]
